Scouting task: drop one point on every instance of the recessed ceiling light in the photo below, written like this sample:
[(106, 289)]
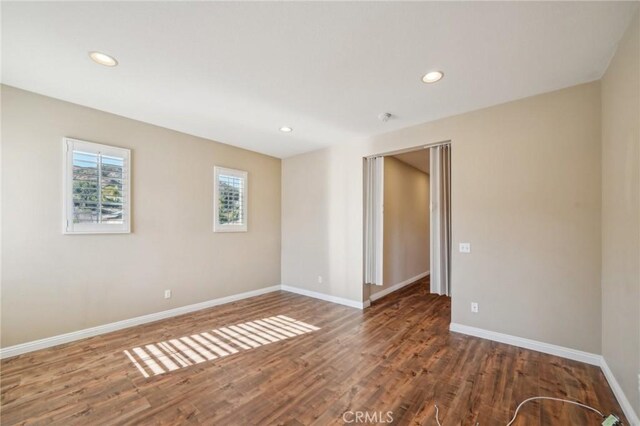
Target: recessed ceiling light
[(286, 129), (432, 76), (103, 59)]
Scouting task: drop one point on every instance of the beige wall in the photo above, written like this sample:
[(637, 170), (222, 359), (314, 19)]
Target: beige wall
[(621, 214), (525, 194), (54, 283), (320, 208), (406, 223)]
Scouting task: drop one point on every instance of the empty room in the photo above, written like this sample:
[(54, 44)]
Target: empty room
[(320, 213)]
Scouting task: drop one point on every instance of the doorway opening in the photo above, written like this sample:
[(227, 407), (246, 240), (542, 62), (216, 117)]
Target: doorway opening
[(407, 219)]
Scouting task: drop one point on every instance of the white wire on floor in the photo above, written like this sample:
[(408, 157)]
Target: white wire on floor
[(533, 398), (437, 419), (552, 399)]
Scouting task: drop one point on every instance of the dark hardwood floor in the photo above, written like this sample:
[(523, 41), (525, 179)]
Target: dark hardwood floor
[(396, 356)]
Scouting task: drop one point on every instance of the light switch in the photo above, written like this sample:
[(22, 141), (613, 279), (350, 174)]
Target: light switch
[(465, 247)]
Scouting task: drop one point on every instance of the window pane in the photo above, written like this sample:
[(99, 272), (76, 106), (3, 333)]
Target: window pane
[(85, 187), (96, 196), (230, 193), (97, 188), (112, 198)]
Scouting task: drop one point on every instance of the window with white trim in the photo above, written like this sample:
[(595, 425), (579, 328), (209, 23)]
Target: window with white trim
[(229, 200), (96, 188)]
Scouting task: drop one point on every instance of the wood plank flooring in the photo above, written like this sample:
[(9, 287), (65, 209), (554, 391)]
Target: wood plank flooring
[(396, 356)]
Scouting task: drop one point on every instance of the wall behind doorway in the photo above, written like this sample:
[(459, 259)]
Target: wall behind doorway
[(406, 223), (525, 193)]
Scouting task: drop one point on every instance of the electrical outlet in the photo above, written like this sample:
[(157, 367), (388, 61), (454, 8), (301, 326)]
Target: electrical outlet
[(465, 247), (167, 294), (319, 279), (474, 307)]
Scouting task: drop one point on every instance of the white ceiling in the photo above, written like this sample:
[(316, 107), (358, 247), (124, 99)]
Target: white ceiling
[(237, 72), (418, 159)]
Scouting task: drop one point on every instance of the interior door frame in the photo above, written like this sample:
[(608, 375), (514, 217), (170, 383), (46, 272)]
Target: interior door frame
[(410, 149), (364, 204)]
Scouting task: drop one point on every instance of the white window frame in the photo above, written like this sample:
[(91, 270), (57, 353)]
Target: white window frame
[(217, 226), (68, 227)]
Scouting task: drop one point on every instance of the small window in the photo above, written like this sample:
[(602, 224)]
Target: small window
[(229, 200), (96, 188)]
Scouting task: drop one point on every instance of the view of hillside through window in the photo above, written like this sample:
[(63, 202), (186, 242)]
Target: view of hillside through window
[(97, 188), (230, 193)]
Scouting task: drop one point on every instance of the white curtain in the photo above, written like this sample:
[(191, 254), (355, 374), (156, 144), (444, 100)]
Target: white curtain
[(440, 177), (373, 219)]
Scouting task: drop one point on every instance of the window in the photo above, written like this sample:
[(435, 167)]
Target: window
[(229, 200), (96, 188)]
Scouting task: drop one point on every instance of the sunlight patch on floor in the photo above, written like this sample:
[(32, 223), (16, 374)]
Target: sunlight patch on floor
[(162, 357)]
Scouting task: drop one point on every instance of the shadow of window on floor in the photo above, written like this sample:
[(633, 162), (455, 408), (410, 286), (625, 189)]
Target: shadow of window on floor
[(162, 357)]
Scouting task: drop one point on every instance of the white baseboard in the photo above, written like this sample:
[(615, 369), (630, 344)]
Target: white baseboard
[(380, 294), (535, 345), (561, 351), (119, 325), (325, 297), (629, 412)]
